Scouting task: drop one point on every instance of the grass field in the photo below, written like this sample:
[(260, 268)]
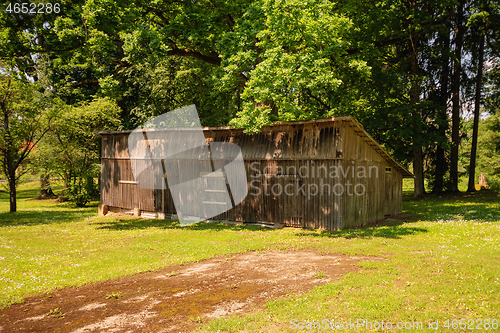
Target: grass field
[(445, 265)]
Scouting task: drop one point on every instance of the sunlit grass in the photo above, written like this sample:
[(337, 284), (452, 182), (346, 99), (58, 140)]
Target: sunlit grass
[(446, 264), (48, 245)]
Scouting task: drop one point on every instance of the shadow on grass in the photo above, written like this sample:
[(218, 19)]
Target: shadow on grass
[(392, 229), (140, 223), (27, 218), (395, 231), (482, 206), (31, 211), (40, 214)]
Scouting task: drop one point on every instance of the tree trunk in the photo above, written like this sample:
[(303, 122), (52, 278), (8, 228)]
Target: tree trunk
[(442, 116), (10, 172), (418, 170), (477, 102), (455, 117), (45, 189), (9, 166), (12, 189), (66, 180)]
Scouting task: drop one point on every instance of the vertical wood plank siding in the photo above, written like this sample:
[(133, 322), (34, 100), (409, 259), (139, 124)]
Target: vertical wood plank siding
[(276, 159)]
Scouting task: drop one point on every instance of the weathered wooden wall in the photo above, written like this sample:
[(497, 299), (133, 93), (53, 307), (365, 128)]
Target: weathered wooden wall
[(383, 191), (118, 186)]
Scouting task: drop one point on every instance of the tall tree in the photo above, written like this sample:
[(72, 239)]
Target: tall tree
[(456, 79), (483, 21), (442, 114), (418, 171), (266, 60), (477, 105), (23, 123)]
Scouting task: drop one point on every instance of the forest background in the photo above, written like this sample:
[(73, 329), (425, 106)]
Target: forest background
[(422, 77)]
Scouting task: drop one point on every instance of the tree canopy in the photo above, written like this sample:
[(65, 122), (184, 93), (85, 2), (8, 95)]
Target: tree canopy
[(406, 70)]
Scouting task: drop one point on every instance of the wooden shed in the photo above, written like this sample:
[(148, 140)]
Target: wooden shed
[(327, 173)]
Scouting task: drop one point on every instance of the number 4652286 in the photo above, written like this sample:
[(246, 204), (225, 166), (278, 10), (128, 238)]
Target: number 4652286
[(471, 324), (33, 8)]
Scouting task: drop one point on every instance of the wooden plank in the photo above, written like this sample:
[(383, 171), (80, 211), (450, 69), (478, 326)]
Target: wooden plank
[(286, 144), (128, 182)]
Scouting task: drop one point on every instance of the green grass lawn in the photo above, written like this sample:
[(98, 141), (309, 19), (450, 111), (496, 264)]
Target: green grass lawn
[(445, 265)]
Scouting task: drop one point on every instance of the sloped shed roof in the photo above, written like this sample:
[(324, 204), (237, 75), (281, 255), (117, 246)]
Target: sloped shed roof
[(291, 140)]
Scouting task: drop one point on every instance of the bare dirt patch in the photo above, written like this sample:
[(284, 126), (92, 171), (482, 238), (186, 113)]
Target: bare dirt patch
[(177, 298)]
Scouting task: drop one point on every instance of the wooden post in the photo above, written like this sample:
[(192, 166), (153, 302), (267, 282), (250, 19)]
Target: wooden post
[(102, 210), (482, 181), (137, 212)]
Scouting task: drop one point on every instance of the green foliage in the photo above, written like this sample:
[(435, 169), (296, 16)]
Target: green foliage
[(71, 149), (56, 313), (25, 115), (23, 35), (78, 194), (488, 149), (251, 62), (288, 56), (161, 56), (300, 64), (114, 295), (150, 89), (492, 102)]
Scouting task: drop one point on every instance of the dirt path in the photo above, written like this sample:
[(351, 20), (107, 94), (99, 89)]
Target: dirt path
[(176, 299)]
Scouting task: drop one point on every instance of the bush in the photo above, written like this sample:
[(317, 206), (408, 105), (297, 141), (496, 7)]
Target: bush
[(78, 194)]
